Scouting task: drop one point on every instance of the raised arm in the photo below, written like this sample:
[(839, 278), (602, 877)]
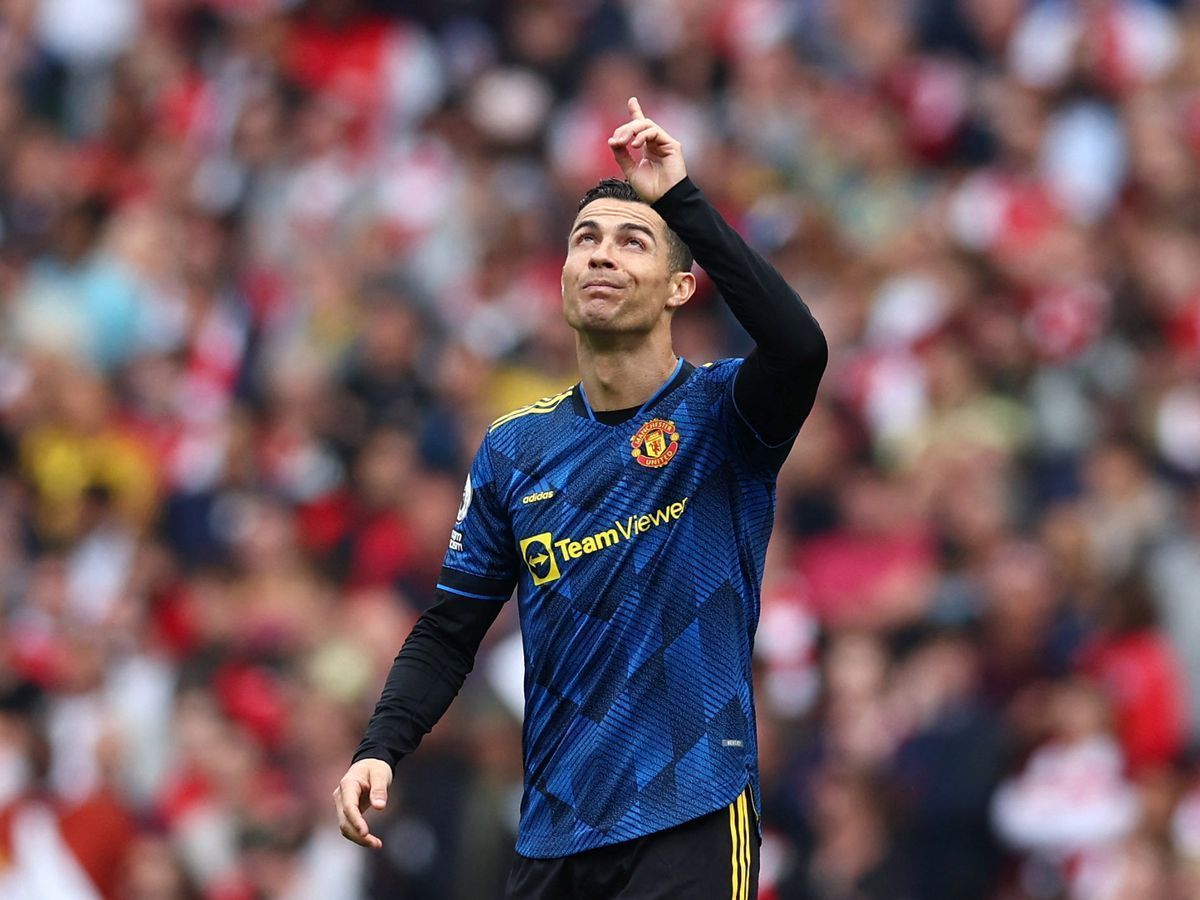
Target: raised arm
[(776, 386)]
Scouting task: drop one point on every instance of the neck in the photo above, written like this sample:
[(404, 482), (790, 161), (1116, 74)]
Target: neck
[(615, 375)]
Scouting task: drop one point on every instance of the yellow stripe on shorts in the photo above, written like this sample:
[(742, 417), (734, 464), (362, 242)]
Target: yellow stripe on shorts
[(739, 854), (734, 857), (744, 818)]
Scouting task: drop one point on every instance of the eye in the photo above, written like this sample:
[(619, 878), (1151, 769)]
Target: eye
[(584, 238), (636, 242)]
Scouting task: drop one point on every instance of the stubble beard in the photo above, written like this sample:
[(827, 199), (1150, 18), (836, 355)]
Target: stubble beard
[(618, 321)]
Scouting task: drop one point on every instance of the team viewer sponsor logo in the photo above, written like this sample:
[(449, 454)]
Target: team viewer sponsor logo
[(655, 443), (538, 553), (542, 552)]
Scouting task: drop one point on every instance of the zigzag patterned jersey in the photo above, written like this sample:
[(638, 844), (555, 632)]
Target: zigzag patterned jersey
[(637, 554)]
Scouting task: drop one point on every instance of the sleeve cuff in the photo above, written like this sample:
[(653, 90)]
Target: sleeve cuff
[(477, 587), (375, 751), (670, 202)]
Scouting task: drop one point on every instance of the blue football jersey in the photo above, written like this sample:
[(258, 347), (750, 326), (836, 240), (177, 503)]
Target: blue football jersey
[(637, 554)]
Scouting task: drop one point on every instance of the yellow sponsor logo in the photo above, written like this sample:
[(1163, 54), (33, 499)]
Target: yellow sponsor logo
[(539, 557), (537, 497), (542, 552)]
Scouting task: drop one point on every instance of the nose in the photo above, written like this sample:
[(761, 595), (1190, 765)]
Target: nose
[(600, 257)]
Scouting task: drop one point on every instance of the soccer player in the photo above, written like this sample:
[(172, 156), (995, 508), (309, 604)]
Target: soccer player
[(631, 513)]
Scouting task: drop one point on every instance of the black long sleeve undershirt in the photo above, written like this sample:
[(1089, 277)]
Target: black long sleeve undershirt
[(426, 675), (774, 390), (777, 384)]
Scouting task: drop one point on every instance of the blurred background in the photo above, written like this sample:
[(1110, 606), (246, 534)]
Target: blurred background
[(269, 267)]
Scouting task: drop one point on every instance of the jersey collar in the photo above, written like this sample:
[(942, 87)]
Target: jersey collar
[(683, 369)]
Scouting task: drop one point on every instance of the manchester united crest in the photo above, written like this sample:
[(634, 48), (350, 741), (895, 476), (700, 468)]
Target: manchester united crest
[(655, 443)]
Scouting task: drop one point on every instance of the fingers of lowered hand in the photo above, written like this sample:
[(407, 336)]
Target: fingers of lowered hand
[(378, 778), (347, 797)]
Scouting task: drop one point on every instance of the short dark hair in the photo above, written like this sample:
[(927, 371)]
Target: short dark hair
[(679, 257)]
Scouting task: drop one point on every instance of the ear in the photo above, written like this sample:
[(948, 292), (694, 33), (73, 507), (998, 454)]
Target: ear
[(683, 286)]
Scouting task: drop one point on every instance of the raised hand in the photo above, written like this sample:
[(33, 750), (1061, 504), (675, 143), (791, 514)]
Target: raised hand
[(661, 166), (364, 785)]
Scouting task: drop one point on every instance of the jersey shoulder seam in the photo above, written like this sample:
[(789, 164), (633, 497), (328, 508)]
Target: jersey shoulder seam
[(538, 407), (720, 369)]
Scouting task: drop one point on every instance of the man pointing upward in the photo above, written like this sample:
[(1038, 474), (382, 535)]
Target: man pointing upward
[(631, 513)]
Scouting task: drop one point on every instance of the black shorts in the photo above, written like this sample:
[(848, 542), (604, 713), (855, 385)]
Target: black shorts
[(714, 857)]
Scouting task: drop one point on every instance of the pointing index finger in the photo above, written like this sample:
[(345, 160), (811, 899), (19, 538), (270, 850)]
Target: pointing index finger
[(635, 108)]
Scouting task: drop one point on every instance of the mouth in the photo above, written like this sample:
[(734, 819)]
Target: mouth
[(588, 285)]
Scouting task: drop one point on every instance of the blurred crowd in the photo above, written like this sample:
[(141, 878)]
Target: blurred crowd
[(269, 267)]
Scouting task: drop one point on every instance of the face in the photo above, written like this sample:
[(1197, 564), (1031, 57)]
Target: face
[(616, 278)]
